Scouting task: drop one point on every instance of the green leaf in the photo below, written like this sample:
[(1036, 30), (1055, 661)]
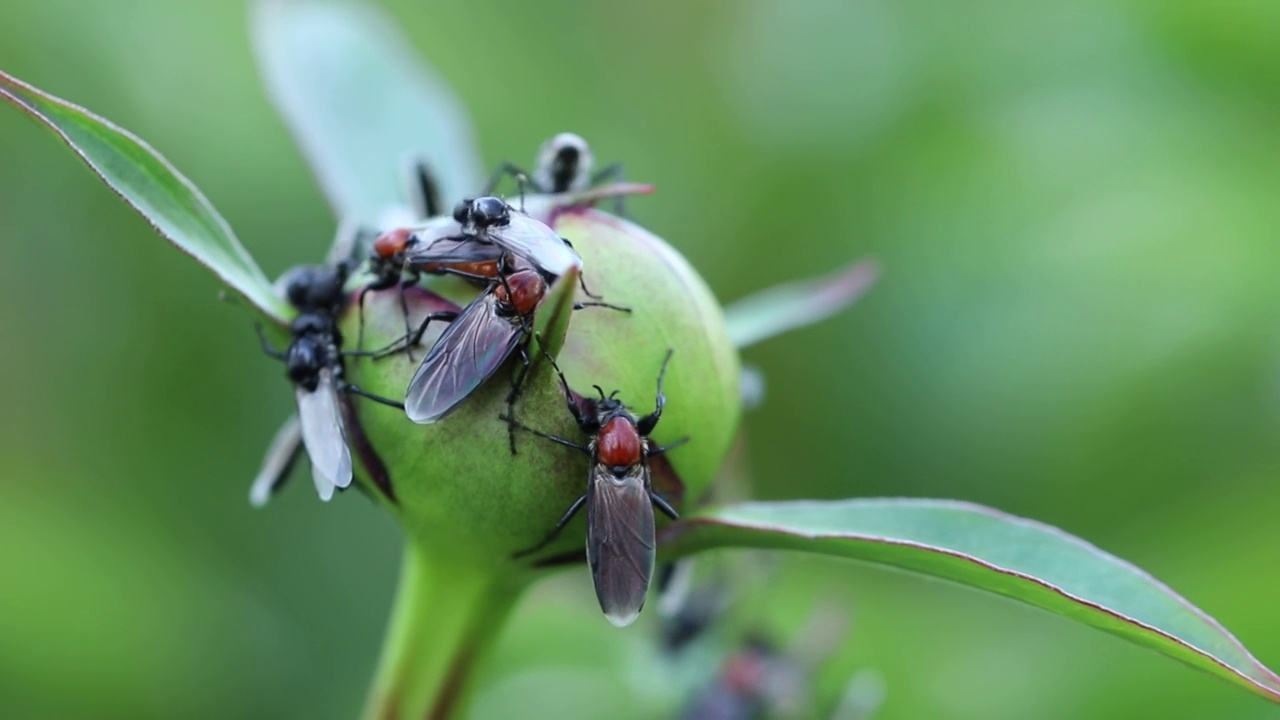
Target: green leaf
[(149, 184), (989, 550), (361, 105), (782, 308)]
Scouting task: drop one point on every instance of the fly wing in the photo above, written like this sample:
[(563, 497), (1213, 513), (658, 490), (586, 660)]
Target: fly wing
[(537, 243), (436, 228), (620, 542), (467, 353), (283, 452), (453, 251), (324, 435)]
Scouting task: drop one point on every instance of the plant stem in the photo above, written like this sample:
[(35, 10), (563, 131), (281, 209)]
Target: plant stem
[(447, 613)]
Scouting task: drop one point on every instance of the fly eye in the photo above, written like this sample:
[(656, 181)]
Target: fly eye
[(462, 211)]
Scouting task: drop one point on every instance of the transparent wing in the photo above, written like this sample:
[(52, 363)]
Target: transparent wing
[(537, 243), (620, 542), (467, 354), (453, 251), (281, 455), (434, 229), (324, 435)]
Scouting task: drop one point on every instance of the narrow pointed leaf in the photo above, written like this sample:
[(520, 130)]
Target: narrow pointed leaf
[(361, 104), (783, 308), (149, 184), (989, 550)]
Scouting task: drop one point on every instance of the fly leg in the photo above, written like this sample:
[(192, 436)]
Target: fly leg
[(555, 532), (266, 344), (553, 438), (407, 341), (568, 394), (380, 284), (406, 283), (354, 390), (648, 422), (662, 449), (513, 171), (517, 385), (582, 283), (662, 505), (619, 308)]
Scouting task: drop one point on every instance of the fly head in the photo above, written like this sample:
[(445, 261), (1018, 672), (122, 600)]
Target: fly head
[(478, 214)]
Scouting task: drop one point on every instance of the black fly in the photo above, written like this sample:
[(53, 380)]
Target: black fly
[(314, 362)]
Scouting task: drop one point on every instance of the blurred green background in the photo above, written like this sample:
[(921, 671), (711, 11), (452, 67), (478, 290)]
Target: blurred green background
[(1079, 322)]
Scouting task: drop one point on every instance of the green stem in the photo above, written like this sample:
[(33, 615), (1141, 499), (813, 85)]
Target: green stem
[(447, 614)]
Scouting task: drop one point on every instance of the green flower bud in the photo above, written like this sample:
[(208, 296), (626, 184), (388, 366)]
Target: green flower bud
[(456, 487)]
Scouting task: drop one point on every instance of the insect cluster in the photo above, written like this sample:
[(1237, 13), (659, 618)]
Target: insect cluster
[(514, 261)]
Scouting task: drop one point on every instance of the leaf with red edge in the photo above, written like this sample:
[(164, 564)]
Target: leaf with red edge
[(989, 550), (783, 308), (173, 205)]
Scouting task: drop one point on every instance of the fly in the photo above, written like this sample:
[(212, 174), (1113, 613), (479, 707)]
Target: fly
[(476, 343), (621, 532), (490, 220), (314, 362)]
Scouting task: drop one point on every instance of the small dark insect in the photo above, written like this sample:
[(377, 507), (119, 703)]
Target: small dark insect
[(754, 681), (621, 544), (564, 164), (314, 362)]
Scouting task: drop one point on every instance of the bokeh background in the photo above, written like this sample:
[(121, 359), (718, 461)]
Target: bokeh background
[(1075, 205)]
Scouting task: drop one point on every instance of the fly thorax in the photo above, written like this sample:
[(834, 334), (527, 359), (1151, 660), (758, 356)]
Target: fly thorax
[(521, 292), (311, 324), (619, 443), (304, 359)]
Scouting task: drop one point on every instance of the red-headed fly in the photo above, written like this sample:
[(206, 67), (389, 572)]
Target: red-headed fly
[(476, 343), (621, 544)]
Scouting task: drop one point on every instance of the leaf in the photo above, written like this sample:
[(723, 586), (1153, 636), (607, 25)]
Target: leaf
[(986, 549), (150, 185), (783, 308), (361, 105)]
